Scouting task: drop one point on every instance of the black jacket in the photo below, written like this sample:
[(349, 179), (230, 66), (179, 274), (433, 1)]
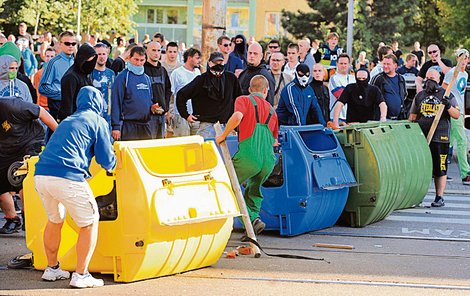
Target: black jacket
[(323, 97), (76, 77), (209, 104), (250, 72), (161, 86), (32, 90), (118, 65)]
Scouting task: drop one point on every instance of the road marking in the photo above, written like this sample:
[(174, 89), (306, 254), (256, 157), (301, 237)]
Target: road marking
[(433, 212), (455, 205), (448, 198), (429, 219)]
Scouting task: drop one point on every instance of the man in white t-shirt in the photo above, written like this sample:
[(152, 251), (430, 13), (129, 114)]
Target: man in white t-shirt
[(179, 78), (292, 59), (338, 82), (457, 130)]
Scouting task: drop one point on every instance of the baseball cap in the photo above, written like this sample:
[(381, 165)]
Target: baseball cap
[(216, 56)]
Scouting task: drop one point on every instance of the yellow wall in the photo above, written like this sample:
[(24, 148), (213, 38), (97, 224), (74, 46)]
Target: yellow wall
[(265, 6)]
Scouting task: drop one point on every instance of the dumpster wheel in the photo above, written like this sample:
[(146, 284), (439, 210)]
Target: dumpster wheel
[(22, 261), (15, 181)]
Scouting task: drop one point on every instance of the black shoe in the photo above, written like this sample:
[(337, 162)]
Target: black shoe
[(438, 203), (11, 226), (258, 226), (450, 179)]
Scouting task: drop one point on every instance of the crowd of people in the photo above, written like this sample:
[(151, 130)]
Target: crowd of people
[(81, 99)]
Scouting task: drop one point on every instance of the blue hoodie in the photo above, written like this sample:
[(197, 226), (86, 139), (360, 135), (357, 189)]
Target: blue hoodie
[(298, 105), (77, 139)]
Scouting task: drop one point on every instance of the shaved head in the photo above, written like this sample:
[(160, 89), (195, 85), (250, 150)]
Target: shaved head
[(255, 54), (258, 83), (433, 74)]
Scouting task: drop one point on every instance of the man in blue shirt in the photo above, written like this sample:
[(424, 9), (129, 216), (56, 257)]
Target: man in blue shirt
[(131, 100), (49, 85), (231, 62), (393, 87), (103, 78)]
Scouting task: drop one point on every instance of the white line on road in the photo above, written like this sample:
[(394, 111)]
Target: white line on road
[(430, 198), (433, 212), (429, 219)]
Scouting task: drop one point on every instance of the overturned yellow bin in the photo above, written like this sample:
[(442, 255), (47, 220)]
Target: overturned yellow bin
[(169, 208)]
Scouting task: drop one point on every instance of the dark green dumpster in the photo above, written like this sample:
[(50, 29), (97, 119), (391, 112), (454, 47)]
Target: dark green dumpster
[(392, 165)]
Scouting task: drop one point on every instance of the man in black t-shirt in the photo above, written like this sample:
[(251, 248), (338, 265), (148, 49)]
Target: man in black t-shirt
[(440, 65), (20, 134), (409, 72), (424, 110), (362, 99)]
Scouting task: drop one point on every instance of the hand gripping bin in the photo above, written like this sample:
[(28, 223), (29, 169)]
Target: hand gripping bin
[(308, 188), (172, 212)]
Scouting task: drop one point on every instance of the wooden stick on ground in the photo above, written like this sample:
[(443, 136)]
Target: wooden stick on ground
[(440, 109), (238, 192)]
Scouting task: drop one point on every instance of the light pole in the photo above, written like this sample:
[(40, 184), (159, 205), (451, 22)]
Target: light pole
[(78, 16), (350, 27)]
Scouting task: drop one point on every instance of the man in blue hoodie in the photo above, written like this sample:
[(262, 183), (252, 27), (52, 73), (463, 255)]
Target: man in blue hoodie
[(49, 86), (60, 181), (298, 104), (131, 100)]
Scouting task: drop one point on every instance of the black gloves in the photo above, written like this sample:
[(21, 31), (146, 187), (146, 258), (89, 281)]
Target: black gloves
[(446, 102)]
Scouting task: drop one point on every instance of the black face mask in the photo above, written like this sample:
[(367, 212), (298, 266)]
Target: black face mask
[(217, 70), (431, 86), (88, 66), (363, 83)]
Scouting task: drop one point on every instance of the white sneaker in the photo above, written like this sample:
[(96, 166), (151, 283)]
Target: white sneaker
[(51, 274), (85, 281)]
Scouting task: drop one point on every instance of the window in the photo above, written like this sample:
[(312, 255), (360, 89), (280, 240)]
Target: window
[(272, 24), (150, 16), (159, 16), (172, 16), (235, 20)]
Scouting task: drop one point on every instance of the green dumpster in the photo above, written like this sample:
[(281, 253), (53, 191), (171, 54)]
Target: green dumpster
[(383, 157)]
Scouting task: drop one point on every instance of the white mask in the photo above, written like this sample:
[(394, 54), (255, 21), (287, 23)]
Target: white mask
[(302, 80)]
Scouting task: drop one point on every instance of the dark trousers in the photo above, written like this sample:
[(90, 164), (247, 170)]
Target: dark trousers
[(132, 130)]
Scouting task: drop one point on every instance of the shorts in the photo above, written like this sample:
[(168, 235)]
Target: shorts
[(60, 194), (439, 153)]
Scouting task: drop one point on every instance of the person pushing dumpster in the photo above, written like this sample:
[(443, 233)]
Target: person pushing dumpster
[(257, 134), (60, 181)]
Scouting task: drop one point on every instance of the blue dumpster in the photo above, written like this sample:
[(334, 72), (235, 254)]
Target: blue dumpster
[(309, 186)]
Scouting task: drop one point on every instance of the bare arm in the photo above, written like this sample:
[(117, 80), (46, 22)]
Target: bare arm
[(419, 84), (232, 123), (383, 111), (48, 120), (338, 107)]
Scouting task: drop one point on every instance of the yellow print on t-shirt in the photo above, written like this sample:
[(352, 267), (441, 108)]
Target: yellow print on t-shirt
[(6, 126)]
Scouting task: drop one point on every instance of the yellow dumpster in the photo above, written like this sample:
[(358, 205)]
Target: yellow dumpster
[(169, 208)]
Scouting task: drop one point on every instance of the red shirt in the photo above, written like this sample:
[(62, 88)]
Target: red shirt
[(244, 105)]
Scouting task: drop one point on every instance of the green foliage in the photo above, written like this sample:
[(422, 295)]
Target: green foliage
[(443, 21), (56, 16)]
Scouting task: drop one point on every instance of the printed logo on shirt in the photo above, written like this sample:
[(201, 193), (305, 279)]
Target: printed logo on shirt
[(6, 92), (429, 106), (6, 126), (461, 84), (142, 86)]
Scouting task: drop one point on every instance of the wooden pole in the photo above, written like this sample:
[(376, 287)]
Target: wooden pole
[(238, 192), (214, 18), (446, 94)]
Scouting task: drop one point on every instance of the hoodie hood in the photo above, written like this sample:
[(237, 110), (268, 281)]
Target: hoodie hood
[(241, 48), (81, 64), (5, 62), (9, 48), (89, 98)]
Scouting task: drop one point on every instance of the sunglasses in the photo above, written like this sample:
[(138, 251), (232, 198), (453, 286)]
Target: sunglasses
[(226, 45), (432, 51), (273, 47), (277, 60), (70, 43)]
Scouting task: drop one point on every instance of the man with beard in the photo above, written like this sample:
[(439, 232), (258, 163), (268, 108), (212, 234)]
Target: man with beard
[(75, 78), (102, 78), (362, 100), (255, 67), (161, 89), (212, 95), (298, 104), (321, 91), (423, 110)]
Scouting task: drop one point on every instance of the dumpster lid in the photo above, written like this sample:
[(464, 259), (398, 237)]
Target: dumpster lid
[(332, 172)]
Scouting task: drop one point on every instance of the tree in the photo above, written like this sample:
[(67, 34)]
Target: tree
[(56, 16), (455, 22)]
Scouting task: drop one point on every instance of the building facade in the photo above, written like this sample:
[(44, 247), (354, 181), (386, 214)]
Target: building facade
[(181, 20)]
